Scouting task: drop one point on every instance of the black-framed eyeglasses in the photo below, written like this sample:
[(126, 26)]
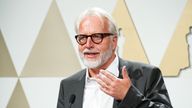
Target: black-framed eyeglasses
[(96, 38)]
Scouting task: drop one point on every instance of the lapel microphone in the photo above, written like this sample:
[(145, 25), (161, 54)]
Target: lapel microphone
[(71, 100)]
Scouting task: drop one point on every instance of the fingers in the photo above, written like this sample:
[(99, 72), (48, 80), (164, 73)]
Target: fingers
[(125, 73), (106, 78), (113, 86), (108, 75), (102, 84), (103, 80)]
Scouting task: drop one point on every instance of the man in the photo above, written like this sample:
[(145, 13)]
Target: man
[(108, 81)]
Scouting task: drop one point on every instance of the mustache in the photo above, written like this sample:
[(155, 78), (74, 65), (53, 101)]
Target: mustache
[(90, 51)]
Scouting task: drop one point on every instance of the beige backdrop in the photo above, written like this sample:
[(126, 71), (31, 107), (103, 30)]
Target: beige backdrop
[(53, 54)]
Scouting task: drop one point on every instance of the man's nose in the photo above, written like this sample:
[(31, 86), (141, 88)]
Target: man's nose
[(89, 43)]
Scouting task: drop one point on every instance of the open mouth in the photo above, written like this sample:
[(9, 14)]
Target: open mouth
[(91, 54)]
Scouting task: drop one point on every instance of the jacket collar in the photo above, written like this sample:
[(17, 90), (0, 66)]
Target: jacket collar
[(79, 85)]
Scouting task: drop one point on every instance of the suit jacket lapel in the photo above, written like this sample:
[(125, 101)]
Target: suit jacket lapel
[(79, 90)]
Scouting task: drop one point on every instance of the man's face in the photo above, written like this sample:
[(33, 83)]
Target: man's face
[(95, 55)]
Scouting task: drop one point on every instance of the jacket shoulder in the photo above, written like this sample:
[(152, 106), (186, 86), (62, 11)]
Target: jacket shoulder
[(75, 77), (138, 69)]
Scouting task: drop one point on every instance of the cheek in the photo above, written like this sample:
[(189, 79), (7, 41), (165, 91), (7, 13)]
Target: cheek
[(105, 47), (80, 48)]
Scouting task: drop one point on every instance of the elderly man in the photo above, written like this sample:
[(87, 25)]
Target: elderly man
[(108, 81)]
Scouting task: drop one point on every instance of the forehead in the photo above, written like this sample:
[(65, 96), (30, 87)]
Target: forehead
[(93, 24)]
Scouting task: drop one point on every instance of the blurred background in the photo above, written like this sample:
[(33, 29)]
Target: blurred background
[(38, 48)]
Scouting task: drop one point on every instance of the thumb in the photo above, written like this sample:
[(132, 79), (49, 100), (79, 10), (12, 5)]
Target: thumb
[(125, 73)]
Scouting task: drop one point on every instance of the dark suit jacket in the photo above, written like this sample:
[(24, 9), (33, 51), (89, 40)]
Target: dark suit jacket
[(147, 91)]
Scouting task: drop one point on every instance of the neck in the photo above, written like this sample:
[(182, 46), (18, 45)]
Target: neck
[(95, 71)]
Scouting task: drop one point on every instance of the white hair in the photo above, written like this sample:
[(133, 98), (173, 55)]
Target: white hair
[(100, 13)]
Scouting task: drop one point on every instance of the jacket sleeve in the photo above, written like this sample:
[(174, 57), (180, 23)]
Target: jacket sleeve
[(60, 102), (154, 94)]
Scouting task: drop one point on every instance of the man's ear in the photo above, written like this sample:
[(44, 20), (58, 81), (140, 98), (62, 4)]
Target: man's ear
[(115, 40)]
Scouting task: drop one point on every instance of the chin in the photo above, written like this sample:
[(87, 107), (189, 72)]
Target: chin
[(90, 63)]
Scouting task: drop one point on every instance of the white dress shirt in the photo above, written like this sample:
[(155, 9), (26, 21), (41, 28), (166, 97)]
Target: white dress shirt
[(93, 96)]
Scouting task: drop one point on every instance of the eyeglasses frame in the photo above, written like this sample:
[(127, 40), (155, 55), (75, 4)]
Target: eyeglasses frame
[(103, 35)]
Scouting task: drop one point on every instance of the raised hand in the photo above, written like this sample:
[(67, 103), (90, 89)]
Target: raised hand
[(114, 86)]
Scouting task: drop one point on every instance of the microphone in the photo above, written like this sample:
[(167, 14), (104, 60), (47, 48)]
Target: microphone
[(71, 100)]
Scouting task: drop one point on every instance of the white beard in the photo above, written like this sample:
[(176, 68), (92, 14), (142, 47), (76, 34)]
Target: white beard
[(90, 63)]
